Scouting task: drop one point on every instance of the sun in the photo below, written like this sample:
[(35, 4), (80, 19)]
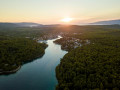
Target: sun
[(67, 19)]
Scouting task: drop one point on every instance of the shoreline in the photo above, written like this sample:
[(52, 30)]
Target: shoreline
[(18, 68), (10, 72)]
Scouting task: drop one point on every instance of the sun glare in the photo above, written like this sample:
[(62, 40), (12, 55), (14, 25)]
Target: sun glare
[(67, 19)]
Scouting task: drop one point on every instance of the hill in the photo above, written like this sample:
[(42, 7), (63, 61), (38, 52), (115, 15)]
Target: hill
[(110, 22), (22, 24)]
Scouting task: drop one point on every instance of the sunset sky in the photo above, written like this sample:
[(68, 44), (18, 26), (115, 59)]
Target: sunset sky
[(54, 11)]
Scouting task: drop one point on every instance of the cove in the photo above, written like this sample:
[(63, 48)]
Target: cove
[(38, 74)]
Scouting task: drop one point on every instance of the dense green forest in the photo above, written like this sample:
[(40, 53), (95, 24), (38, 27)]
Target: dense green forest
[(92, 66), (16, 51)]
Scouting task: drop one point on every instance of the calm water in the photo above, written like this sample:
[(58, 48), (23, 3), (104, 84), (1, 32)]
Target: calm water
[(37, 75)]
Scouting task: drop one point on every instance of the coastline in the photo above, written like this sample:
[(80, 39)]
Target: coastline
[(18, 68), (10, 72)]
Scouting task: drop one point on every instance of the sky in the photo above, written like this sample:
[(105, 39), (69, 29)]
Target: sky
[(53, 11)]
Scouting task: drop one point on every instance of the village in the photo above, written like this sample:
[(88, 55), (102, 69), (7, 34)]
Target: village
[(69, 43)]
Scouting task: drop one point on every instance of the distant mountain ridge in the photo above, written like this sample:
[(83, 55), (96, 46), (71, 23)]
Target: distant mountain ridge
[(22, 24), (109, 22), (7, 25), (31, 24)]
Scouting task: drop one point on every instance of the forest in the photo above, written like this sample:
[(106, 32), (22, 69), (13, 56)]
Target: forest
[(93, 66), (16, 49)]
